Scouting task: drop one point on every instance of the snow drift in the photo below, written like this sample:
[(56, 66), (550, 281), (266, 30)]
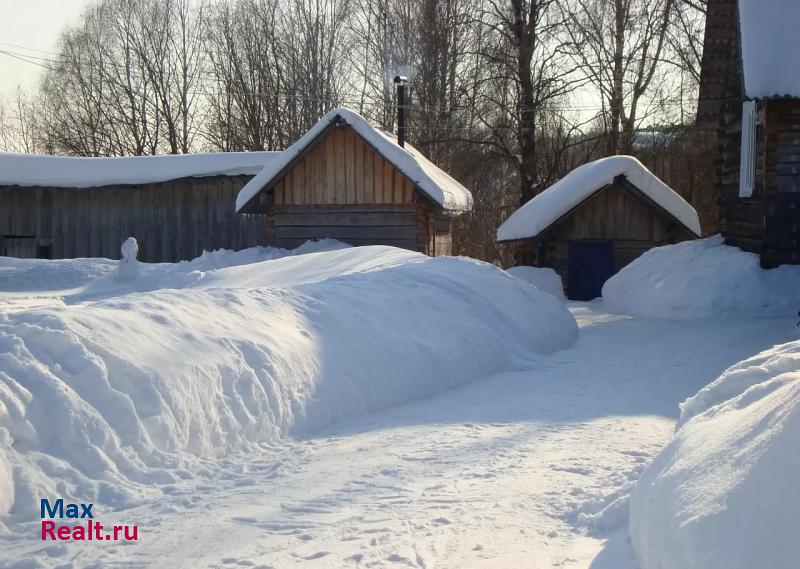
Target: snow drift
[(543, 278), (130, 384), (725, 493), (699, 279)]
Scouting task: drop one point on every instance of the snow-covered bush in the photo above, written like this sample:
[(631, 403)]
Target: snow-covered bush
[(699, 279), (543, 278), (725, 492), (129, 384)]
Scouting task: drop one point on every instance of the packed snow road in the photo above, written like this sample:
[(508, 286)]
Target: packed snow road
[(529, 468)]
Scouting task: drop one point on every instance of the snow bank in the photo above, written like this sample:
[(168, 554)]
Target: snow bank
[(702, 278), (725, 493), (570, 191), (437, 184), (126, 386), (543, 278), (79, 172), (769, 33)]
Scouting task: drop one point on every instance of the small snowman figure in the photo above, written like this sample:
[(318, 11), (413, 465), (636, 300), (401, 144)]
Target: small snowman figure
[(128, 265)]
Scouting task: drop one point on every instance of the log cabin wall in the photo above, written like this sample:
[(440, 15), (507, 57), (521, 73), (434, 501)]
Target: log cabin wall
[(780, 173), (172, 221), (341, 188)]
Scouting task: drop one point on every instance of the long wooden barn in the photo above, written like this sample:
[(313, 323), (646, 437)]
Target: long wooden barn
[(597, 219), (346, 180), (176, 206), (343, 180), (750, 90)]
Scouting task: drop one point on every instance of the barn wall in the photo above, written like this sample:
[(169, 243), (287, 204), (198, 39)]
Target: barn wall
[(172, 220), (366, 225), (343, 189), (781, 182)]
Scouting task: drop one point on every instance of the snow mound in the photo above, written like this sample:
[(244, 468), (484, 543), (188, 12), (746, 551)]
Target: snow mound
[(699, 279), (725, 493), (119, 391), (543, 278)]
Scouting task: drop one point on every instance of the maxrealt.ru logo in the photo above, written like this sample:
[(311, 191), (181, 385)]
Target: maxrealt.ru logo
[(90, 530)]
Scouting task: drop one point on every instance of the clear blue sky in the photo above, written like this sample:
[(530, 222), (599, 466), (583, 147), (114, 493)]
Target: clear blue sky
[(33, 25)]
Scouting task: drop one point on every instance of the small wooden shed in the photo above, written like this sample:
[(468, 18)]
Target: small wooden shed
[(750, 86), (346, 180), (596, 220), (58, 207)]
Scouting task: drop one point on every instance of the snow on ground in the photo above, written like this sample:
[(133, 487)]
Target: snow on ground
[(123, 387), (526, 467), (700, 279), (531, 466), (725, 492), (543, 278)]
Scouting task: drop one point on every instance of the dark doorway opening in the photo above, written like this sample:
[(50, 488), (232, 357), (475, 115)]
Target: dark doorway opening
[(591, 264)]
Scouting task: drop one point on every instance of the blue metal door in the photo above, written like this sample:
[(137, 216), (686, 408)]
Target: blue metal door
[(591, 264)]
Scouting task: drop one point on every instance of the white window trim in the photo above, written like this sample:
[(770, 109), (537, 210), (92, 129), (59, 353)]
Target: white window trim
[(747, 162)]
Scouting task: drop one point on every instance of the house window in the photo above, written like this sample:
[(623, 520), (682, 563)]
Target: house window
[(747, 164)]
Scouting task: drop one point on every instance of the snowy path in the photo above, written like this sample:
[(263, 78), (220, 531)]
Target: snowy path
[(507, 472)]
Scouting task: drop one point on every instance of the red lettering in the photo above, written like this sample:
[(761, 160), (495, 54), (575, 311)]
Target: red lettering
[(134, 536), (47, 528), (117, 529), (64, 532), (97, 528)]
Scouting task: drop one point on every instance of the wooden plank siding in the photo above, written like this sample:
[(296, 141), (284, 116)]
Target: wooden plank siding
[(172, 221), (342, 169), (343, 189)]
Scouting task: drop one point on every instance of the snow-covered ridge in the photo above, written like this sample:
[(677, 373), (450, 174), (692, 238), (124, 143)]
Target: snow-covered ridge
[(437, 184), (130, 384), (701, 279), (79, 172), (769, 46), (550, 205), (725, 493)]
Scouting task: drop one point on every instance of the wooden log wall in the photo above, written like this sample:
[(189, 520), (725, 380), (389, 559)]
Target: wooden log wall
[(172, 221), (781, 167), (365, 225)]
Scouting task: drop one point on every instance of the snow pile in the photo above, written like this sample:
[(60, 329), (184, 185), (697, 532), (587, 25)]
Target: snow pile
[(437, 184), (725, 493), (128, 386), (543, 278), (80, 172), (769, 33), (573, 189), (698, 279)]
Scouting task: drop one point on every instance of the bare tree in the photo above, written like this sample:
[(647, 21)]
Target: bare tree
[(618, 45)]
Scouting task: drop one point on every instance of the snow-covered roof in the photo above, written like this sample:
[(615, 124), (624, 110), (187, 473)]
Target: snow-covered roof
[(559, 199), (770, 44), (434, 182), (74, 172)]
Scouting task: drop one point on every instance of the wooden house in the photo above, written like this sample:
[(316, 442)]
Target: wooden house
[(596, 220), (176, 206), (346, 180), (750, 93)]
